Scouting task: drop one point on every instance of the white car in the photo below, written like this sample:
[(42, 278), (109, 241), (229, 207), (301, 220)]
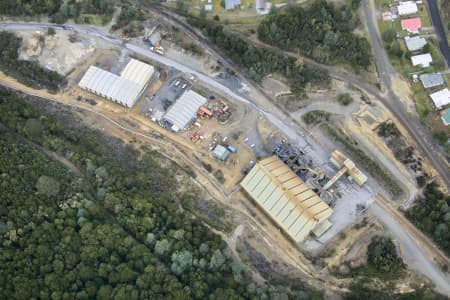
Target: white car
[(177, 83), (184, 86)]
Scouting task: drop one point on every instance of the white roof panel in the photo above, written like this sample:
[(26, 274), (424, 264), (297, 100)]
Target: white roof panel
[(407, 8), (285, 197), (185, 109), (422, 59), (441, 98)]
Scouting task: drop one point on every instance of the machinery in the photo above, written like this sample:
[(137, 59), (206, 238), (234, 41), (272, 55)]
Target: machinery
[(346, 166)]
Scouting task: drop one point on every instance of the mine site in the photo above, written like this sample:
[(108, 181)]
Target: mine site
[(296, 185)]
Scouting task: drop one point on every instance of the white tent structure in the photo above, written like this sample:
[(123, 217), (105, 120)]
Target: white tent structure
[(184, 110), (124, 89), (441, 98)]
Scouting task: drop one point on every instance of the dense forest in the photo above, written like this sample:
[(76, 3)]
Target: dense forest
[(27, 72), (112, 226), (59, 10), (260, 62), (431, 213), (320, 31)]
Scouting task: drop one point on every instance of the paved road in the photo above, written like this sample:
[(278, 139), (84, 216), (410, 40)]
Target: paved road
[(439, 29), (392, 101)]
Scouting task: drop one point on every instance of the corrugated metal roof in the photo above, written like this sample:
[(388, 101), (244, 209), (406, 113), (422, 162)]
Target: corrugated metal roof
[(431, 79), (109, 85), (441, 98), (137, 72), (285, 197), (185, 109), (415, 43), (122, 89), (422, 59)]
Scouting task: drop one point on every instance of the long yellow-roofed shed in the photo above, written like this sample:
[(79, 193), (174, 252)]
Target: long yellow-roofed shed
[(285, 198)]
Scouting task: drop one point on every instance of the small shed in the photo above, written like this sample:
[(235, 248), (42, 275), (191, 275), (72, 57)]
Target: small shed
[(221, 153)]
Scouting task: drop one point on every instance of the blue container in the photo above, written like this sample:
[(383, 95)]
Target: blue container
[(231, 149)]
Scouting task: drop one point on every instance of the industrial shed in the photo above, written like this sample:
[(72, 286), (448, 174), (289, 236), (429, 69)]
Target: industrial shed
[(138, 72), (123, 89), (286, 198), (184, 110)]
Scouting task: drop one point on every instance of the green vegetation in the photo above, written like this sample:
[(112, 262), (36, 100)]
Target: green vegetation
[(82, 11), (383, 176), (383, 257), (431, 214), (316, 117), (27, 72), (85, 11), (29, 7), (321, 31), (129, 21), (345, 99), (260, 62), (110, 226)]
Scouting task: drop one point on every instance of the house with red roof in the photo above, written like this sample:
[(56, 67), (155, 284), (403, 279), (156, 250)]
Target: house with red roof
[(412, 25)]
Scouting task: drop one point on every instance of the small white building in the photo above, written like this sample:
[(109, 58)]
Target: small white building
[(441, 98), (423, 60), (407, 8)]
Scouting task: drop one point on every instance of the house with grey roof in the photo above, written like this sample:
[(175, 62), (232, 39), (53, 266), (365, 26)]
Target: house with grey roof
[(430, 80), (415, 43)]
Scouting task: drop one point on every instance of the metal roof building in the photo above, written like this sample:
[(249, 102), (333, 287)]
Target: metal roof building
[(430, 80), (407, 8), (232, 4), (184, 110), (415, 43), (123, 89), (423, 60), (138, 72), (286, 198), (441, 98)]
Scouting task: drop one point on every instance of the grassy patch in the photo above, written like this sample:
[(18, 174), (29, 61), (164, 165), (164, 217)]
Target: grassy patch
[(423, 106)]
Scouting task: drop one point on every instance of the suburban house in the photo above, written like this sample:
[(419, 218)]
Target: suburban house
[(430, 80), (423, 60), (407, 8), (412, 25), (441, 98), (415, 43)]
